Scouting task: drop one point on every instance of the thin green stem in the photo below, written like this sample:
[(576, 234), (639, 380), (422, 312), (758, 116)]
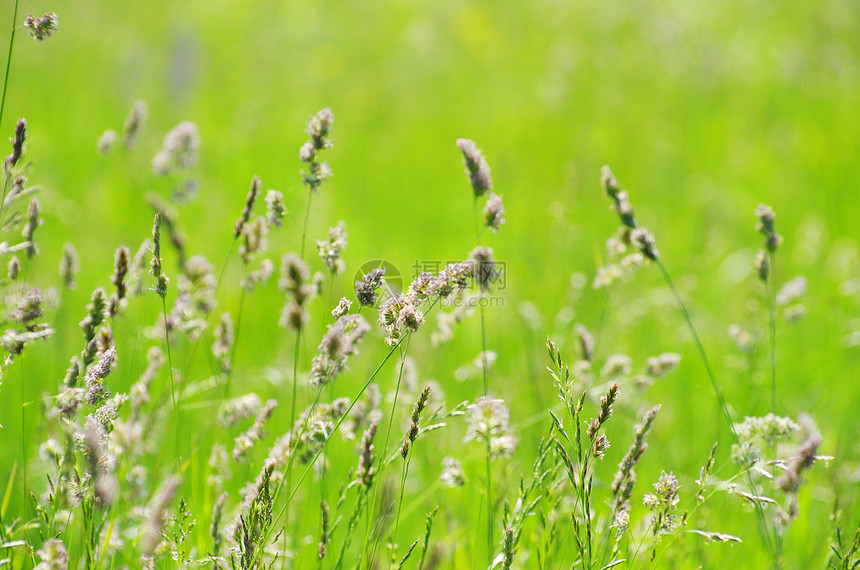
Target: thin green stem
[(325, 443), (771, 290), (759, 511), (486, 375), (289, 477), (372, 510), (296, 356), (197, 341), (172, 383), (490, 506), (403, 475), (719, 393), (9, 61), (235, 344), (305, 225), (475, 219), (24, 439)]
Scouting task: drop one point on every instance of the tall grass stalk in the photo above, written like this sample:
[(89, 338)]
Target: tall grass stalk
[(23, 439), (197, 341), (372, 510), (305, 224), (762, 521), (237, 330), (8, 64), (294, 490), (770, 288), (284, 509), (403, 474), (296, 351), (24, 453), (702, 354), (486, 376), (172, 382)]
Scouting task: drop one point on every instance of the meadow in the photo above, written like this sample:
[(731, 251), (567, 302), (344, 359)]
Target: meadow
[(536, 380)]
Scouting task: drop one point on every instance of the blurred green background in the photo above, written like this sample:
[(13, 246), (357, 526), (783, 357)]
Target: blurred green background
[(703, 110)]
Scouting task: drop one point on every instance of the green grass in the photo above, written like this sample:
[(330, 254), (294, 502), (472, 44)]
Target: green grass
[(703, 111)]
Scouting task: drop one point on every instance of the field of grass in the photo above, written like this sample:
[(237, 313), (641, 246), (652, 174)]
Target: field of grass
[(703, 111)]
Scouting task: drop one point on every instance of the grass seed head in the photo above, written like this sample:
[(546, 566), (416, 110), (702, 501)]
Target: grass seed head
[(17, 145), (248, 209), (494, 213), (41, 28), (134, 124), (476, 165), (367, 290)]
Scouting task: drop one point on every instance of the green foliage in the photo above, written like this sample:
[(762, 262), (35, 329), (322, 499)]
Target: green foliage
[(704, 110)]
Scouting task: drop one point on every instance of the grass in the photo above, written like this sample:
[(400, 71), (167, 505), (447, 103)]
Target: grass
[(703, 111)]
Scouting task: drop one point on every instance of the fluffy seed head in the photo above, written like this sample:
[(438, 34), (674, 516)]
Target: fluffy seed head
[(644, 240), (179, 149), (155, 268), (342, 308), (329, 249), (42, 28), (452, 473), (248, 209), (33, 222), (476, 165), (494, 213), (134, 124), (13, 268), (17, 145), (106, 142), (609, 182), (367, 290), (762, 265), (484, 267), (275, 208)]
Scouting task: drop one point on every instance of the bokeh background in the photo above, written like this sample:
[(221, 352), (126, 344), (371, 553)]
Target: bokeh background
[(703, 110)]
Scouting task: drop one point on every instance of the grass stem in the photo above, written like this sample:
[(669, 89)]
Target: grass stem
[(372, 509), (172, 382), (719, 393), (770, 287), (9, 61)]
